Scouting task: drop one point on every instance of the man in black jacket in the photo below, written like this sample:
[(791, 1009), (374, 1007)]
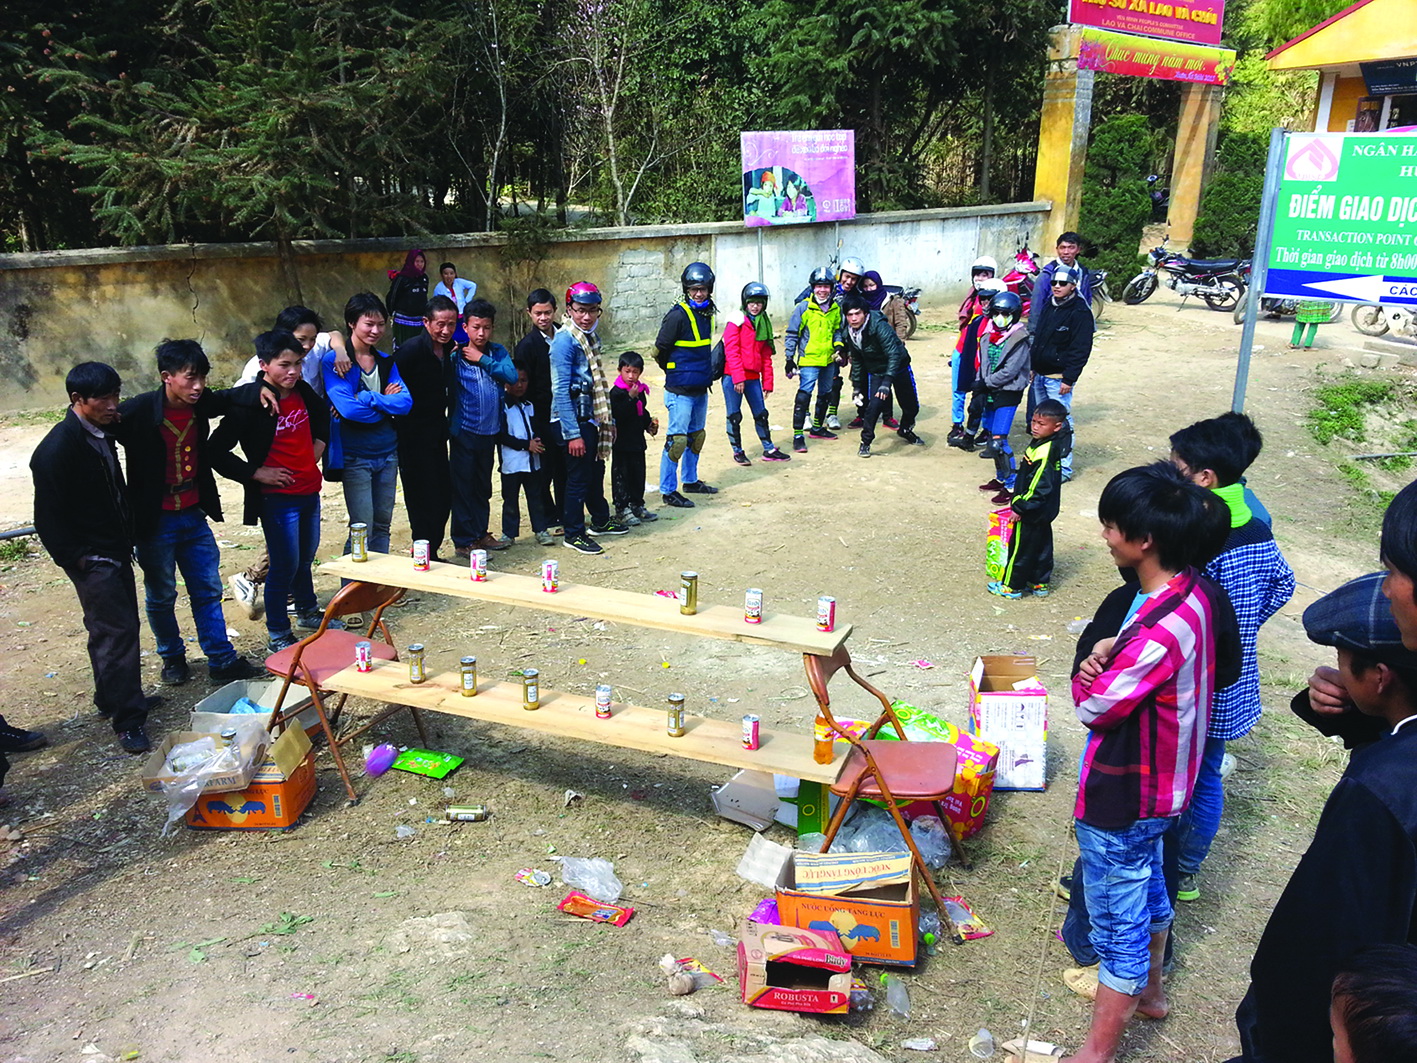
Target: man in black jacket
[(423, 432), (83, 518), (879, 364), (1062, 343), (172, 491), (533, 353)]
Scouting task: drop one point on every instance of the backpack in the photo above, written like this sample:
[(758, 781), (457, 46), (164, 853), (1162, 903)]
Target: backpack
[(718, 361)]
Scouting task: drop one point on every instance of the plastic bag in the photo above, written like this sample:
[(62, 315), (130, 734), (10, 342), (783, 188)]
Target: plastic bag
[(932, 839), (194, 763), (872, 830), (593, 876)]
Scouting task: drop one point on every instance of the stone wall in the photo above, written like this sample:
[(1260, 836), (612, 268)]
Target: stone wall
[(114, 304)]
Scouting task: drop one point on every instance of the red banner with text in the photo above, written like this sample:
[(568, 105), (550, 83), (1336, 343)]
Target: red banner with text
[(1121, 53)]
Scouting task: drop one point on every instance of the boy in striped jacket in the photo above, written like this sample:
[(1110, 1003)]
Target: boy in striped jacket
[(1144, 691)]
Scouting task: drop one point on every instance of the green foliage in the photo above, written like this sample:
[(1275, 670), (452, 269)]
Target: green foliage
[(1230, 205), (1272, 22), (1115, 204), (1340, 408)]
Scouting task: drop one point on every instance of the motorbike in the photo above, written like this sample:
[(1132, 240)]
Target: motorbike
[(1216, 280), (1373, 320), (1022, 275), (1160, 197), (1101, 294), (1275, 306), (911, 298)]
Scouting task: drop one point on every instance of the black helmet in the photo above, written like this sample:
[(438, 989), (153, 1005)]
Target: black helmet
[(696, 273), (822, 275), (754, 290), (1006, 303)]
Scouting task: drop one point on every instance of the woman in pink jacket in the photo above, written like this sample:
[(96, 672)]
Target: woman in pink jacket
[(747, 373)]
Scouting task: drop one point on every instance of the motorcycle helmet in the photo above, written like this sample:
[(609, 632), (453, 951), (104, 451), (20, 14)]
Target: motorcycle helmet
[(696, 273), (853, 266), (1005, 308), (982, 263), (755, 290), (820, 275), (988, 287), (1067, 275), (583, 292)]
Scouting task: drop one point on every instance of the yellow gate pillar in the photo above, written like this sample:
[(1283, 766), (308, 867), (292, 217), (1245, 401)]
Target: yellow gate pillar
[(1195, 153), (1062, 133)]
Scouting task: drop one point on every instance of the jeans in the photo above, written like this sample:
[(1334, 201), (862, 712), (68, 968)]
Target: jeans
[(958, 399), (108, 596), (369, 485), (585, 482), (1126, 899), (1045, 387), (733, 407), (821, 377), (1199, 823), (292, 527), (184, 541), (471, 467), (687, 416)]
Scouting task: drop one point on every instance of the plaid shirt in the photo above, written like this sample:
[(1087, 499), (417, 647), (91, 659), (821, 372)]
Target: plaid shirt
[(1259, 582)]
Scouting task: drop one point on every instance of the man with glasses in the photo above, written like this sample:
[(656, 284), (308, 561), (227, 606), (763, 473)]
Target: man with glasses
[(1069, 244), (1062, 343)]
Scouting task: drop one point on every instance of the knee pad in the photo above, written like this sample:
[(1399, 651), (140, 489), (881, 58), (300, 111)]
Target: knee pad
[(675, 445), (735, 419), (761, 419), (696, 439)]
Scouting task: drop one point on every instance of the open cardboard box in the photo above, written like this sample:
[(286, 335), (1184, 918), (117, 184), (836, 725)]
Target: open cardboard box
[(789, 969), (1008, 706), (261, 691), (156, 775), (873, 906), (281, 789)]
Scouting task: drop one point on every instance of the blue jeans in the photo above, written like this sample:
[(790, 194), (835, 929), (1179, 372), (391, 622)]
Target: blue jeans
[(369, 485), (733, 407), (184, 540), (1045, 387), (1126, 899), (821, 377), (292, 527), (585, 482), (688, 414), (958, 399), (1199, 823)]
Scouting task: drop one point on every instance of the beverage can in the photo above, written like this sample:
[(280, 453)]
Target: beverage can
[(603, 694), (363, 657), (468, 813), (477, 565), (531, 694), (750, 731), (826, 613), (420, 555), (550, 576), (416, 673), (688, 593), (359, 542), (753, 606), (676, 716), (468, 667)]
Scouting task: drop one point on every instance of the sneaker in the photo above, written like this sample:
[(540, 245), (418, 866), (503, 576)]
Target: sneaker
[(1064, 887), (646, 515), (583, 543), (283, 641), (18, 740), (1228, 764), (864, 450), (740, 458), (240, 668), (856, 422), (1003, 591), (545, 538), (248, 595), (610, 527), (135, 741), (698, 487), (311, 620), (775, 454), (821, 433), (910, 437), (175, 672), (833, 422), (1003, 498), (890, 422), (956, 434), (992, 485), (627, 517), (675, 499), (1187, 888), (966, 443), (799, 443), (1040, 590)]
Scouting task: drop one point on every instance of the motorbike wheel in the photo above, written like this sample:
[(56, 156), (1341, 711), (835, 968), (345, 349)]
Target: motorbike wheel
[(1369, 319), (1234, 291), (1239, 315), (914, 321), (1139, 289)]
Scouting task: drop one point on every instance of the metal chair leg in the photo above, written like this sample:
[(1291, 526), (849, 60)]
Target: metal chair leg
[(334, 746)]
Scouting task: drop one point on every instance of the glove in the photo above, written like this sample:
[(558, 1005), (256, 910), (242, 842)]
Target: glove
[(883, 394), (791, 366), (842, 358), (858, 399)]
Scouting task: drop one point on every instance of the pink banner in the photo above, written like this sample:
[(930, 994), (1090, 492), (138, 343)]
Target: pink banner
[(796, 176), (1191, 21), (1146, 57)]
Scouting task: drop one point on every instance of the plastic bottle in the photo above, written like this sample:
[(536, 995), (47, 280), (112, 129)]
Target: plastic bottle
[(929, 931), (822, 738), (897, 995)]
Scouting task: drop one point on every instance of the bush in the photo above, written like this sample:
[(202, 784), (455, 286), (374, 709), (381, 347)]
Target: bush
[(1230, 205), (1115, 204)]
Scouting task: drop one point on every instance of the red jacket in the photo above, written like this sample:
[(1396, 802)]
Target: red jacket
[(745, 357)]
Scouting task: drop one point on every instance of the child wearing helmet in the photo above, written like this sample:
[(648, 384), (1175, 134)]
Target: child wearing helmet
[(747, 374), (984, 269), (967, 401), (1003, 371), (683, 350), (810, 344)]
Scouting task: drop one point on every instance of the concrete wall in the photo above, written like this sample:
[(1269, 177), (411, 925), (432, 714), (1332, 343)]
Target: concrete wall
[(114, 304)]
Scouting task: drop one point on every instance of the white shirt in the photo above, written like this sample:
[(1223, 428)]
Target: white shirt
[(462, 293), (309, 366)]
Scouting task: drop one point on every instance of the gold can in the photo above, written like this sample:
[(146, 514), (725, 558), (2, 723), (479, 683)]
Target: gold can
[(468, 667), (416, 673), (676, 716), (359, 541), (688, 593), (531, 693)]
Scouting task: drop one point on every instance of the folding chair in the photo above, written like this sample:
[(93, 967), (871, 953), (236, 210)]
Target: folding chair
[(894, 773), (316, 657)]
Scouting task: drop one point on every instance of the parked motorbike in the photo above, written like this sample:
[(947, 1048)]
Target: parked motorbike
[(1373, 320), (911, 298), (1160, 197), (1216, 280), (1021, 276), (1275, 306), (1101, 294)]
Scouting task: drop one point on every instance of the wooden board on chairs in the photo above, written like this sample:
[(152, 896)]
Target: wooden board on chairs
[(573, 716), (785, 632)]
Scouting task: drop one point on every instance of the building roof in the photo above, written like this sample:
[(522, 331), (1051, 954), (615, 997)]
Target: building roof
[(1365, 32)]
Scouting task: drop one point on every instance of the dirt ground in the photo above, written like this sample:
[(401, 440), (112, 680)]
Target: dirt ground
[(337, 941)]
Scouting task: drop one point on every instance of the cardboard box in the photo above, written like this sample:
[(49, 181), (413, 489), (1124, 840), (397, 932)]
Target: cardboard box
[(264, 693), (789, 969), (280, 790), (876, 914), (976, 762), (1008, 706), (749, 798), (156, 775)]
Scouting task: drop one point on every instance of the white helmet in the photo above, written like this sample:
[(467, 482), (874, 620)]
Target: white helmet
[(852, 265), (982, 263)]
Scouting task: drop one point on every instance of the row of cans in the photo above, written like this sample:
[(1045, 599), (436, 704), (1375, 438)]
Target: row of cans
[(752, 603)]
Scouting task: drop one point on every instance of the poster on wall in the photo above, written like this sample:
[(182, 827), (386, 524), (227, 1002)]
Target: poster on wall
[(796, 176), (1122, 53), (1191, 21)]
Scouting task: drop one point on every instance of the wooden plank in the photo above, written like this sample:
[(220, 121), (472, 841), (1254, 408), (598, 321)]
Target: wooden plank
[(573, 716), (779, 630)]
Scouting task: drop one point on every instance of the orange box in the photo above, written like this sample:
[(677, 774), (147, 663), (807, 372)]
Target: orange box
[(788, 969), (280, 791), (976, 761), (876, 925)]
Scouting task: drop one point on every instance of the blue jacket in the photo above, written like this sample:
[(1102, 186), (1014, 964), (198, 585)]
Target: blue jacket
[(366, 417), (475, 391), (572, 389), (683, 349)]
